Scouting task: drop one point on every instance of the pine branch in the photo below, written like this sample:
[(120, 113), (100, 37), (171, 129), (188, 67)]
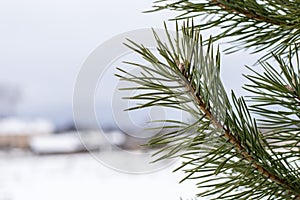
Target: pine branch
[(251, 14), (278, 87), (271, 25), (240, 156), (231, 138)]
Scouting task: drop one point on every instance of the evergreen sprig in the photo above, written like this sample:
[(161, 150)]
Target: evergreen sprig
[(270, 24), (222, 147), (229, 153), (276, 100)]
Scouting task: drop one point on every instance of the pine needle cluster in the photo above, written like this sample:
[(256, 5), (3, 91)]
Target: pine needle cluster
[(231, 154)]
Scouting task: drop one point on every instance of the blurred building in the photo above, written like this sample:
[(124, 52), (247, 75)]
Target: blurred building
[(73, 142), (17, 133)]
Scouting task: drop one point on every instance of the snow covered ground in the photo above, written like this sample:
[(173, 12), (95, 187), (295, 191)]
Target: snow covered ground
[(24, 176)]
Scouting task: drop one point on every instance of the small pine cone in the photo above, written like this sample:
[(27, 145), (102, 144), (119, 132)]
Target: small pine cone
[(181, 67), (289, 88)]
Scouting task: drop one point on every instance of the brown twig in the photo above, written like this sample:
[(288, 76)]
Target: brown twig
[(248, 14)]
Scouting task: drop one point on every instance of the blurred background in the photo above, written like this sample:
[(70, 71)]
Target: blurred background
[(43, 45)]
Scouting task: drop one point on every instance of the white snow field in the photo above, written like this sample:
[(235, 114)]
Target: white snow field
[(24, 176)]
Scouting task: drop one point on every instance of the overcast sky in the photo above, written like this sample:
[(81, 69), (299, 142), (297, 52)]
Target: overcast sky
[(43, 44)]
